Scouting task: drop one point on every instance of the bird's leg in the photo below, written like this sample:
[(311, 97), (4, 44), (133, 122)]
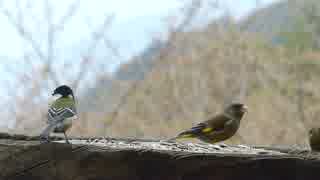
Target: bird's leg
[(44, 139), (65, 135)]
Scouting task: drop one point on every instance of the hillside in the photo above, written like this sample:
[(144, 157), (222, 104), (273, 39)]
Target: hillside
[(206, 69), (136, 68), (192, 86), (273, 19)]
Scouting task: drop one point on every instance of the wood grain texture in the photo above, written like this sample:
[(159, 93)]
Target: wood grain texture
[(25, 158)]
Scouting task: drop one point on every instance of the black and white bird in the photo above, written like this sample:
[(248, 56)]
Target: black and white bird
[(62, 112)]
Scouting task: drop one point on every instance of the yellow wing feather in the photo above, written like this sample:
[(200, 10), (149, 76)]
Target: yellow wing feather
[(185, 136), (207, 129)]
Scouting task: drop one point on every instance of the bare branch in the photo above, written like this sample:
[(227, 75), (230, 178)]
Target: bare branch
[(97, 36), (18, 23), (50, 30), (188, 17), (26, 35), (68, 15), (50, 41), (191, 11), (123, 100), (115, 50)]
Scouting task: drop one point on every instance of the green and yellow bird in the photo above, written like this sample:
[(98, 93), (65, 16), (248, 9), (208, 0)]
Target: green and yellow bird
[(219, 128), (314, 139), (61, 113)]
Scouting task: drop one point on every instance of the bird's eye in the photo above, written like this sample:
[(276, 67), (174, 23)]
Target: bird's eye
[(310, 132)]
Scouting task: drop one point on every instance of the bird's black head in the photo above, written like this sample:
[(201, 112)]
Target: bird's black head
[(63, 90), (236, 109)]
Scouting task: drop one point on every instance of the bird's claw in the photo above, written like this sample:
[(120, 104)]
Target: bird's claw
[(44, 139)]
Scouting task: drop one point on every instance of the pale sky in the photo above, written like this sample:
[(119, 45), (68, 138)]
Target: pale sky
[(131, 16), (136, 22)]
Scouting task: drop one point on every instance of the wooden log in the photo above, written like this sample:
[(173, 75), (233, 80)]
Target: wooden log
[(25, 158)]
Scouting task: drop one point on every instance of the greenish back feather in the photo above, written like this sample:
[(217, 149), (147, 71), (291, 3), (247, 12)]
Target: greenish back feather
[(63, 102)]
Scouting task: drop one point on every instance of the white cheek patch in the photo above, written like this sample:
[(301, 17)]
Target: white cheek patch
[(55, 97)]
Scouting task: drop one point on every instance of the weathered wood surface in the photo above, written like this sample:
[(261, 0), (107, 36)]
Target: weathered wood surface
[(25, 158)]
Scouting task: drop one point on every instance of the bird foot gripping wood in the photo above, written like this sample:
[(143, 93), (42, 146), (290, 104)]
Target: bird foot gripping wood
[(44, 139)]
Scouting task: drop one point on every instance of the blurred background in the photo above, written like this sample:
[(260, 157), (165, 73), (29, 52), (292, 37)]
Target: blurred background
[(149, 69)]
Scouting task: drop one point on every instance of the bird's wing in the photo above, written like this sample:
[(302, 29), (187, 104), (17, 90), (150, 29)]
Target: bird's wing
[(194, 131), (60, 113), (217, 124), (61, 109), (55, 116), (198, 128), (214, 125)]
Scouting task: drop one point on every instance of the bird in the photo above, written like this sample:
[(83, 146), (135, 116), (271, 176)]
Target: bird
[(314, 139), (61, 113), (219, 128)]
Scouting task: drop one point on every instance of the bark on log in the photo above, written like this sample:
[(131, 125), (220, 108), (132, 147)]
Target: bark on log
[(25, 158)]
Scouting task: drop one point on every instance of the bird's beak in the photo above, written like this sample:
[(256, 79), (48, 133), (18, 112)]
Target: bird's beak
[(245, 108)]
